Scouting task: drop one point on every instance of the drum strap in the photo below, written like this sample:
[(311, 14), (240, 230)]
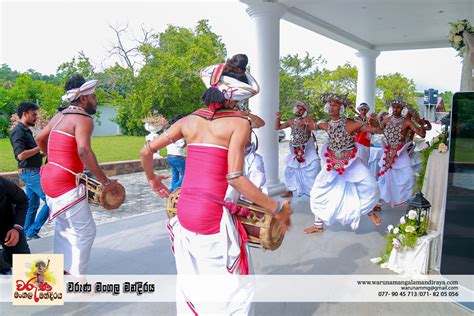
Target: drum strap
[(78, 176)]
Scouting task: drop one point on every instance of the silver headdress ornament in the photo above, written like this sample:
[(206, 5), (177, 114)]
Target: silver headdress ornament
[(326, 97), (303, 104), (398, 101)]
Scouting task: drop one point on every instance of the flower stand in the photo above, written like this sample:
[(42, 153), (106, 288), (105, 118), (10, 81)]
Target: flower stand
[(424, 256)]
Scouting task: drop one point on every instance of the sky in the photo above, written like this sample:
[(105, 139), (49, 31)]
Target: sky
[(41, 35)]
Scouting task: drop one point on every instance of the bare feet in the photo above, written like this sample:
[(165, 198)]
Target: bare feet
[(375, 219), (377, 208), (287, 194), (314, 229)]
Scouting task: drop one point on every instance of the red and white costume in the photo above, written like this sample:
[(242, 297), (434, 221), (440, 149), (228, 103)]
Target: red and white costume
[(207, 239), (346, 190), (75, 228), (396, 178)]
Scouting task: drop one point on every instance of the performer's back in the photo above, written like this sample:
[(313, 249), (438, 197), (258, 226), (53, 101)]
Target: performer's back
[(204, 183)]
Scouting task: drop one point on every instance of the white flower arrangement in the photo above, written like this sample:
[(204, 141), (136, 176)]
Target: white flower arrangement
[(455, 34), (402, 220), (396, 243), (412, 214), (404, 234), (156, 120)]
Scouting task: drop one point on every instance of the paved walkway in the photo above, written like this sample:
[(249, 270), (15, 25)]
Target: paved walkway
[(134, 240)]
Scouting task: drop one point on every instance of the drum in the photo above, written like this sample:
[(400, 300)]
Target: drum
[(262, 229), (98, 195)]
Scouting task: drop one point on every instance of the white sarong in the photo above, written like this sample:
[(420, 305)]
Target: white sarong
[(212, 255), (344, 198), (396, 184), (299, 177), (415, 157), (75, 229), (363, 153)]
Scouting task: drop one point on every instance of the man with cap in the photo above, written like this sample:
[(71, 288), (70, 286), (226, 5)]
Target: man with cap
[(67, 142), (346, 190), (303, 162), (396, 177)]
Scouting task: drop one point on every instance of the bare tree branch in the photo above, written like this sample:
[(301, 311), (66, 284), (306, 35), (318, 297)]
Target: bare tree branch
[(130, 56)]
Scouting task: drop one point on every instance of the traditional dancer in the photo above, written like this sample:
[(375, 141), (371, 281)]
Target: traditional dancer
[(413, 149), (397, 178), (207, 239), (67, 140), (363, 138), (302, 163), (347, 189)]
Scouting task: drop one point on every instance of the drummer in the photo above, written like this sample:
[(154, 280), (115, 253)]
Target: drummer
[(67, 141), (206, 238)]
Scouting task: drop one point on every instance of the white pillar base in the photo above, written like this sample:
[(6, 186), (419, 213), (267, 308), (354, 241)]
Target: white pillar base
[(274, 189)]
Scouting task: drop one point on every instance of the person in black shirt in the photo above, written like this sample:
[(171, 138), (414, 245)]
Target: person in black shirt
[(13, 205), (29, 158)]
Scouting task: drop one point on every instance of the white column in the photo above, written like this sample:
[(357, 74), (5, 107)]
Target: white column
[(265, 67), (366, 77)]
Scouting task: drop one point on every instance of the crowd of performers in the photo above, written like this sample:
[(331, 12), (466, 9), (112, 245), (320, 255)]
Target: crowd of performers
[(222, 166), (337, 177)]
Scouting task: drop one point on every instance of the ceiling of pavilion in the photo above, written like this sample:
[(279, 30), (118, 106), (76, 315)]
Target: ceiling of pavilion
[(379, 24)]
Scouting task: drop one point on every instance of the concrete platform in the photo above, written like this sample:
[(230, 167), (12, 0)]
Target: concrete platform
[(140, 245), (134, 240)]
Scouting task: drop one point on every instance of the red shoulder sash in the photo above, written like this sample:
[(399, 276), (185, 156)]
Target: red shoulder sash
[(210, 115)]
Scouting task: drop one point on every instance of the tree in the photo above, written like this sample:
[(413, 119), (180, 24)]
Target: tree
[(447, 97), (80, 65), (25, 88), (169, 81), (390, 86), (130, 56), (294, 71), (7, 75), (342, 80)]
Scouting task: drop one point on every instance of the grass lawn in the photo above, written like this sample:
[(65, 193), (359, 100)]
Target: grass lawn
[(106, 148)]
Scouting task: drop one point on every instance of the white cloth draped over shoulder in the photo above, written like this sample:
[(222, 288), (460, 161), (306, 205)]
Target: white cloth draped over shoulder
[(299, 177), (396, 184), (344, 198), (215, 254)]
